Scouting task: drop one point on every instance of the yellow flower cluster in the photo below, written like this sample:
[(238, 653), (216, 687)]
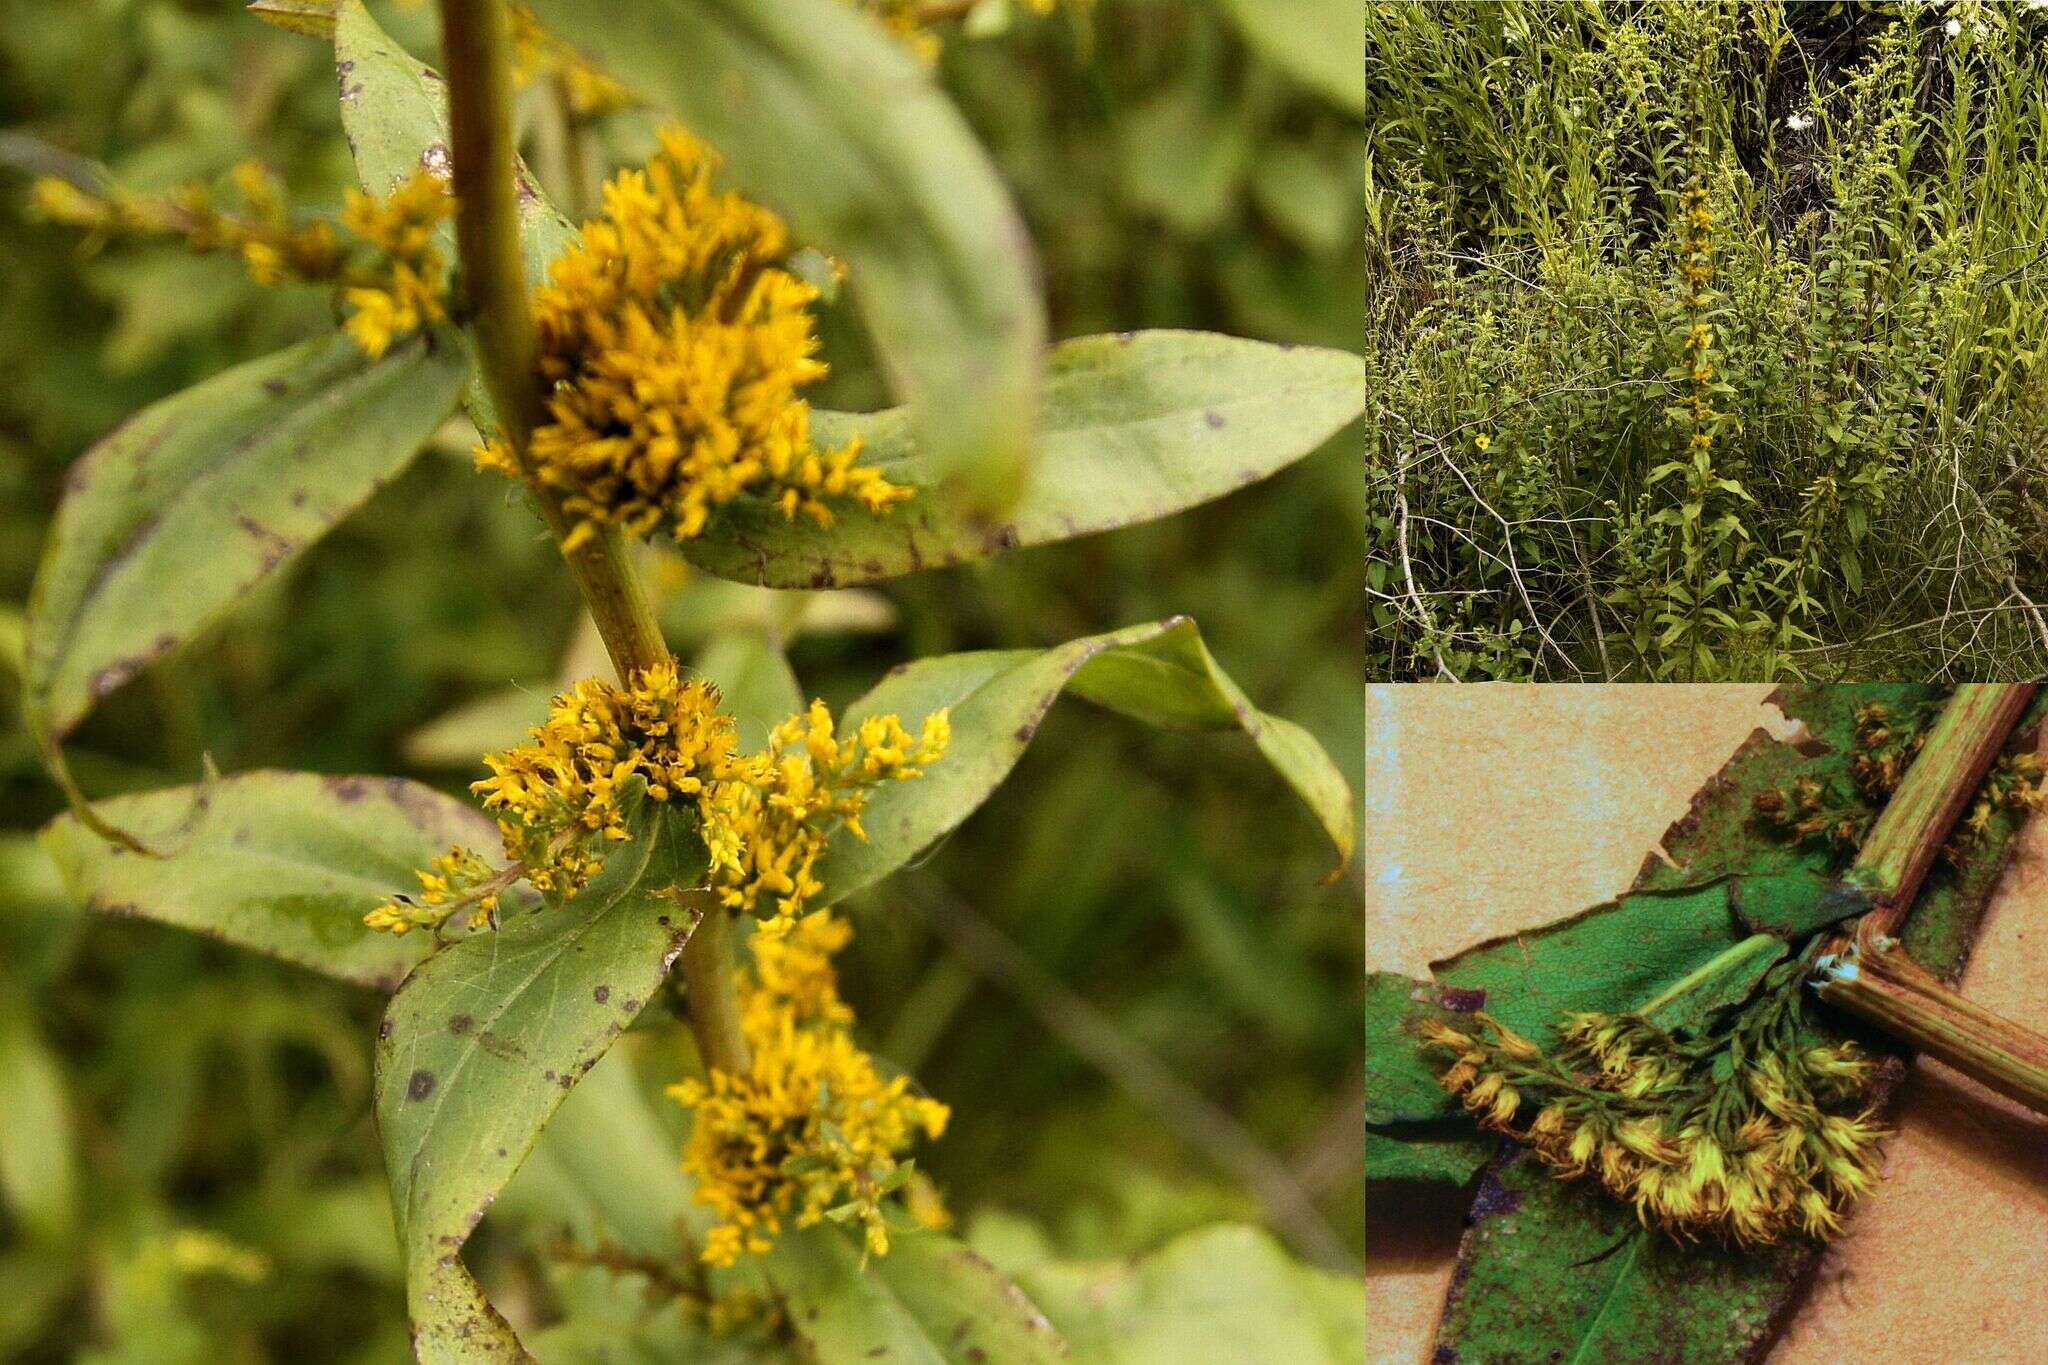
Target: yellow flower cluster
[(814, 1131), (539, 55), (1696, 246), (767, 828), (766, 818), (674, 344), (457, 879), (1752, 1154), (393, 279), (558, 797), (410, 290)]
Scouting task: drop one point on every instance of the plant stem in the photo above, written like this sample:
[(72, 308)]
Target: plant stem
[(476, 46), (1890, 990), (1867, 974), (714, 1007), (1936, 790)]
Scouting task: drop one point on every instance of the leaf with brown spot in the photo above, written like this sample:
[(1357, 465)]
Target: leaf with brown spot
[(1128, 432), (282, 863), (190, 505), (459, 1111)]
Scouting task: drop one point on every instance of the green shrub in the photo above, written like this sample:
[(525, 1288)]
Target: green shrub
[(1858, 489)]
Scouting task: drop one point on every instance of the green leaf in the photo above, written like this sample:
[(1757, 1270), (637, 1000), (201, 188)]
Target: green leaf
[(282, 863), (1320, 43), (825, 117), (201, 497), (1444, 1153), (931, 1299), (1160, 673), (1400, 1081), (395, 116), (1611, 958), (755, 683), (1220, 1293), (1556, 1270), (1415, 1129), (38, 1172), (485, 1038), (1133, 428)]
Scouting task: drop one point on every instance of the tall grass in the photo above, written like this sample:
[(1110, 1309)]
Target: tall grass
[(1707, 340)]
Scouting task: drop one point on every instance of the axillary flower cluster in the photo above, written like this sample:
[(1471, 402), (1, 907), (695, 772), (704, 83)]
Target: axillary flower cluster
[(815, 1131), (562, 798), (390, 275), (1741, 1133), (674, 346)]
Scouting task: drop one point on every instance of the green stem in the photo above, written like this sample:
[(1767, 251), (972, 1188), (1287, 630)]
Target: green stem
[(476, 45), (708, 985)]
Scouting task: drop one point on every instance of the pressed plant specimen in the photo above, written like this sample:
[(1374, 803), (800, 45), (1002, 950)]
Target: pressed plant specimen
[(1693, 1080)]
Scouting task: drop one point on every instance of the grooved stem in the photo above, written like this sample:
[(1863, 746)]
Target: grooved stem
[(476, 44), (1936, 790), (1890, 990)]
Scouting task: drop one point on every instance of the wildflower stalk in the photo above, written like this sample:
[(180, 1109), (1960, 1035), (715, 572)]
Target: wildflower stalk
[(714, 1004), (476, 47)]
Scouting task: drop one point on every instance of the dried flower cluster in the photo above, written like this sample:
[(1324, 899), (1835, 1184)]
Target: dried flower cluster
[(674, 346), (1739, 1133), (1885, 744), (392, 277), (814, 1130)]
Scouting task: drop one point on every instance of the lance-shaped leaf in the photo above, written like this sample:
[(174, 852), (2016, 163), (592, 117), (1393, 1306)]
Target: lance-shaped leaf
[(485, 1038), (1160, 673), (885, 174), (1221, 1293), (201, 497), (1132, 428), (930, 1299), (394, 114), (282, 863), (1572, 1270), (1611, 958)]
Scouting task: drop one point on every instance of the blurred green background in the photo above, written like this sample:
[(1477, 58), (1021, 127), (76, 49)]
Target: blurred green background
[(188, 1168)]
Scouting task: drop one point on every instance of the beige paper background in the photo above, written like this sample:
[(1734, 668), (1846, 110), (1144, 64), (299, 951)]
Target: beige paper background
[(1492, 809)]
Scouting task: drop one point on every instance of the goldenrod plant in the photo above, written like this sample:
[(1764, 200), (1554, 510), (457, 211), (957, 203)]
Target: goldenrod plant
[(601, 250), (1742, 298)]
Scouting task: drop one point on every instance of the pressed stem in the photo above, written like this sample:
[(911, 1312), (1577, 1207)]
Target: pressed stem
[(1890, 990), (476, 45), (1933, 795), (1867, 974)]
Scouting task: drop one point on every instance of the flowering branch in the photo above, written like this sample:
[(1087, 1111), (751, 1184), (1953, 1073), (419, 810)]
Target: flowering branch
[(476, 45)]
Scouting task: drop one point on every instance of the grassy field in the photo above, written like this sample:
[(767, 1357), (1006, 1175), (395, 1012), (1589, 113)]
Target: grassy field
[(1707, 341)]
